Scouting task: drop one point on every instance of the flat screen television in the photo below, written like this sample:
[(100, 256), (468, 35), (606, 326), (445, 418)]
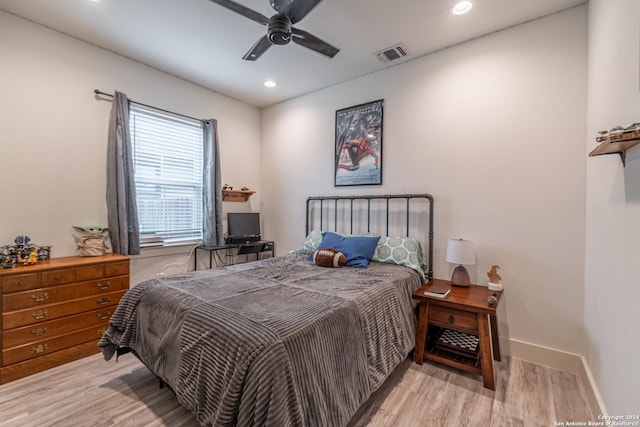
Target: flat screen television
[(243, 224)]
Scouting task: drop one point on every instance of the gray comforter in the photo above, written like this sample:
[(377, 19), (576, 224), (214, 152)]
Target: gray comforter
[(278, 342)]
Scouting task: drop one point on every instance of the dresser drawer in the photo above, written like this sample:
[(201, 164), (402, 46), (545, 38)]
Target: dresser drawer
[(44, 347), (42, 363), (452, 318), (20, 282), (88, 272), (116, 269), (30, 316), (58, 277), (50, 295), (53, 328)]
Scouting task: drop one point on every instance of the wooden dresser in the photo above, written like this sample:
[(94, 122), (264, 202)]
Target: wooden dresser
[(56, 311)]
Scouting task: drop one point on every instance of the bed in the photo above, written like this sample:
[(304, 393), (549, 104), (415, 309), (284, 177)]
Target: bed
[(283, 341)]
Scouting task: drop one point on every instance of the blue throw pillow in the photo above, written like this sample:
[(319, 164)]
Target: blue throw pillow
[(357, 250)]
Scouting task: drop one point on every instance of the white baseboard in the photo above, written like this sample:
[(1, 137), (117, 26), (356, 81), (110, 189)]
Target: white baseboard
[(557, 359)]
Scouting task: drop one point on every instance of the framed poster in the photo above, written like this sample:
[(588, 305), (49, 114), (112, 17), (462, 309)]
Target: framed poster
[(358, 156)]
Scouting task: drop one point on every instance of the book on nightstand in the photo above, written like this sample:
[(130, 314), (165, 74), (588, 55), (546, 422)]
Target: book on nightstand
[(438, 290)]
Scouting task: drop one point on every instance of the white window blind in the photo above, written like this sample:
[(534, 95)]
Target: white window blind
[(167, 161)]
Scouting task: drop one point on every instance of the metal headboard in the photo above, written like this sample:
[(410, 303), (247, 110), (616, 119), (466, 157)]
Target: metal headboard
[(350, 206)]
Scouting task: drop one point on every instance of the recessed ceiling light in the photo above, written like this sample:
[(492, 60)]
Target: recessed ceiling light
[(462, 7), (270, 83)]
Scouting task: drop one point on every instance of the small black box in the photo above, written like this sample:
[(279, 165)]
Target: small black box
[(238, 240), (251, 248)]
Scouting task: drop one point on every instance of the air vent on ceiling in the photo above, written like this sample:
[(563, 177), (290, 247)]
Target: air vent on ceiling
[(391, 53)]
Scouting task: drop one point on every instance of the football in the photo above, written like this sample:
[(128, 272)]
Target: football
[(329, 257)]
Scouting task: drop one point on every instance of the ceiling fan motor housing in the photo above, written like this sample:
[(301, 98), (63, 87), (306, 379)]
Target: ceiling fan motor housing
[(279, 29)]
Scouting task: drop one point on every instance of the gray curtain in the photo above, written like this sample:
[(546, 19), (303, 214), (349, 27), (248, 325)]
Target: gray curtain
[(122, 211), (212, 188)]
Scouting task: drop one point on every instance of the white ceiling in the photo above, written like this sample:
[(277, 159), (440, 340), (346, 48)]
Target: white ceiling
[(203, 42)]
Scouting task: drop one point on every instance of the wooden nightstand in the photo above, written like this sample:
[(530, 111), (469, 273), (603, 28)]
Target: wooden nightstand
[(464, 310)]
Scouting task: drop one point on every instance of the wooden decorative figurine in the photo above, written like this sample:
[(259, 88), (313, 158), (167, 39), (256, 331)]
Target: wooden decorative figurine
[(494, 279)]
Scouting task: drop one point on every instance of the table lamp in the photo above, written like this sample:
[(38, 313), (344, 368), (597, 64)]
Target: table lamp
[(460, 252)]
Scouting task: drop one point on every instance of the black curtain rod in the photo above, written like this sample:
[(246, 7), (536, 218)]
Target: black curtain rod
[(98, 92)]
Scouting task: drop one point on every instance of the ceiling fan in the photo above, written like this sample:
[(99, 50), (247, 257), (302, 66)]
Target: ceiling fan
[(280, 29)]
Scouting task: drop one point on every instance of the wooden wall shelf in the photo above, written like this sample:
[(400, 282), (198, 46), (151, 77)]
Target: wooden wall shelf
[(236, 195), (617, 145)]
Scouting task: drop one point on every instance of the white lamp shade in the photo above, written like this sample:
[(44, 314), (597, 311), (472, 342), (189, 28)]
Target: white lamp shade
[(461, 251)]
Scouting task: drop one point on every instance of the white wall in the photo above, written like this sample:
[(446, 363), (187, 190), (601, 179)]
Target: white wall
[(53, 133), (494, 129), (612, 294)]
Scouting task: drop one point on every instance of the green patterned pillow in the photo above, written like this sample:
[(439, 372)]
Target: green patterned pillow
[(401, 251), (310, 244)]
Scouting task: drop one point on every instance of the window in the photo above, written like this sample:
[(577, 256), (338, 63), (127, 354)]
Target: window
[(167, 162)]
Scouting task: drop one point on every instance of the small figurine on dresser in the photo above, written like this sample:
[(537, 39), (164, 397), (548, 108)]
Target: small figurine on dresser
[(44, 252), (30, 259), (6, 260), (494, 279), (92, 240), (22, 240), (23, 252), (33, 255)]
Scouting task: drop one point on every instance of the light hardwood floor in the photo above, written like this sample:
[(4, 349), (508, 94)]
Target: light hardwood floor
[(95, 393)]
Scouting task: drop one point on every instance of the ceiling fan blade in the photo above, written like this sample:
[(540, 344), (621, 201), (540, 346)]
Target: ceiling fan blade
[(244, 11), (298, 9), (258, 49), (310, 41)]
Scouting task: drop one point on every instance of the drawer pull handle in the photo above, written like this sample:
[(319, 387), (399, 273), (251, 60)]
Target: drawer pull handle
[(40, 297), (103, 301), (104, 315), (451, 319), (20, 283), (39, 331), (40, 348), (57, 277), (101, 330), (40, 314), (104, 285)]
